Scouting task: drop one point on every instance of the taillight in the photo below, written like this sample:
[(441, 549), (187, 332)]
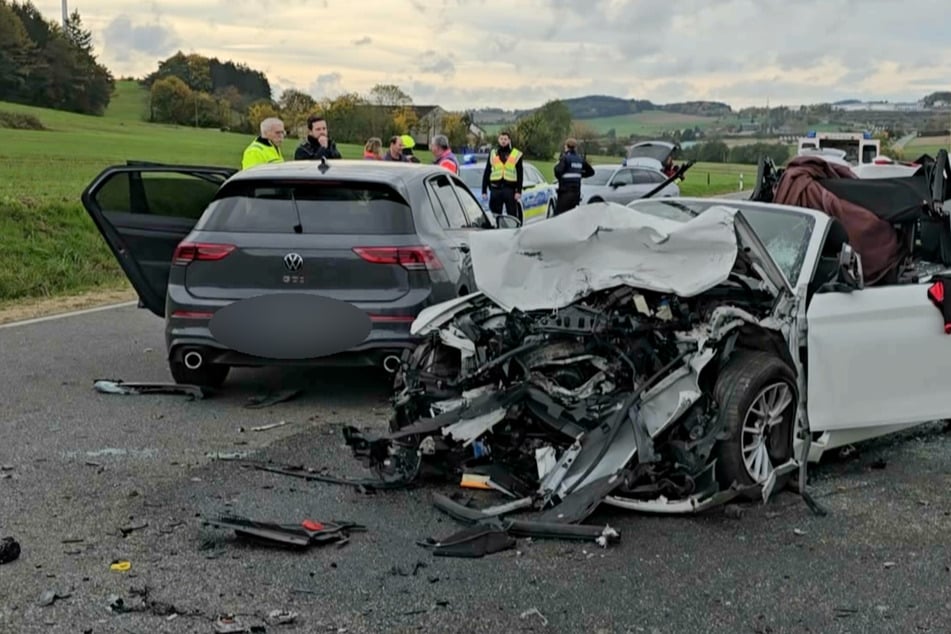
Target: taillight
[(412, 258), (188, 252)]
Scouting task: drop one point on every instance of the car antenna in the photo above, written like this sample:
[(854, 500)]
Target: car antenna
[(323, 165)]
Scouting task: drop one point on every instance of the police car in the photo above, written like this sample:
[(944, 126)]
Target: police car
[(538, 196)]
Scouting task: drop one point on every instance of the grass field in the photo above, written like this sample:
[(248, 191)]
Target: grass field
[(926, 145), (48, 244)]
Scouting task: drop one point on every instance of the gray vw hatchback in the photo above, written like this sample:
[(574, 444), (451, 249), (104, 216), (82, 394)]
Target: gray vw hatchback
[(386, 238)]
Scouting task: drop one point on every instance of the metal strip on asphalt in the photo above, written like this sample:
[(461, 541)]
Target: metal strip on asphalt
[(75, 313)]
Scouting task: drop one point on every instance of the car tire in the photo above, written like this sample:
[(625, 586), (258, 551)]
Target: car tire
[(551, 210), (756, 392), (596, 199), (209, 375)]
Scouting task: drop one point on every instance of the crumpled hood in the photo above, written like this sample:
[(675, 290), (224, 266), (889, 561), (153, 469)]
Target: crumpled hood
[(552, 264)]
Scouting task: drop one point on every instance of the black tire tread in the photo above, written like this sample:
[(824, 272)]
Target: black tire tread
[(740, 380)]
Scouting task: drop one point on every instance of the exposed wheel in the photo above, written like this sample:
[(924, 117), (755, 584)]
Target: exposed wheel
[(596, 199), (758, 401), (208, 375)]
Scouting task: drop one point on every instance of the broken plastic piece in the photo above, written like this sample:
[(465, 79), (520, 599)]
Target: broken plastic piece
[(281, 617), (9, 550), (117, 386), (120, 565), (302, 535), (474, 542)]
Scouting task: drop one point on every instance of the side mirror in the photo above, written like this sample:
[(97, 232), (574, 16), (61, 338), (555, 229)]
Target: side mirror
[(505, 221), (850, 268)]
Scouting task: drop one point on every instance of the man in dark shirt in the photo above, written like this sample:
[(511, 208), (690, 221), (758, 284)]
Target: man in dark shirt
[(503, 175), (317, 144), (569, 171)]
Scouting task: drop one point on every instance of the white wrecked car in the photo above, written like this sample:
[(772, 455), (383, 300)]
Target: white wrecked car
[(664, 356)]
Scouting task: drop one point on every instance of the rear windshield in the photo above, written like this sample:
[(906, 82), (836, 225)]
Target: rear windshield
[(321, 208)]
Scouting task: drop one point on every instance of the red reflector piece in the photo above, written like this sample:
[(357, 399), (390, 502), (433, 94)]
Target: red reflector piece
[(311, 525), (402, 319), (188, 252), (187, 314), (411, 258)]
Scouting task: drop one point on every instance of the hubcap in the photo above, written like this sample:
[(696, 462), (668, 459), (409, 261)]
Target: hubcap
[(770, 409)]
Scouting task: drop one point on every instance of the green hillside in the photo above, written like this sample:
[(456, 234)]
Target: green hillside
[(650, 122), (130, 101)]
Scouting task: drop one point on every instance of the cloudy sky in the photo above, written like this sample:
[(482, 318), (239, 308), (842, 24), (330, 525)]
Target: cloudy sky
[(520, 53)]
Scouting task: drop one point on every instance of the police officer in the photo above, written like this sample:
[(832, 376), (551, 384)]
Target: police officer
[(569, 171), (503, 174)]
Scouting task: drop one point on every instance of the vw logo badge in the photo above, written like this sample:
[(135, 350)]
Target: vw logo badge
[(293, 261)]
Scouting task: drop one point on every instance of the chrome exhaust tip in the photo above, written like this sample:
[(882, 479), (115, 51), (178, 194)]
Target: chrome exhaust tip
[(193, 359), (391, 363)]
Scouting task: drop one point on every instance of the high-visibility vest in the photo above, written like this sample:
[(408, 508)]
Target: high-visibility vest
[(258, 153), (506, 170)]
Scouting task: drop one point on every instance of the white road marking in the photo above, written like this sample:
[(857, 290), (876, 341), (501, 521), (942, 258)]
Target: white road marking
[(75, 313)]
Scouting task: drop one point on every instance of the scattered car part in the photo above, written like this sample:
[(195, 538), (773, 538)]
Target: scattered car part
[(117, 386), (303, 535), (9, 550)]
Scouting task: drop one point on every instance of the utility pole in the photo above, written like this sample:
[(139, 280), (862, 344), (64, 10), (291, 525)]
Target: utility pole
[(65, 14)]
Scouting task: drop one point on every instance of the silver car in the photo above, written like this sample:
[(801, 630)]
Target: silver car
[(621, 184)]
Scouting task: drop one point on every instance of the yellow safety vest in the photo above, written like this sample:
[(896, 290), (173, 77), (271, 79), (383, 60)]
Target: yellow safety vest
[(258, 153), (504, 170)]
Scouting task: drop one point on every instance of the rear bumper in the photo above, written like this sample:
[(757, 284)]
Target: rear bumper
[(389, 336), (370, 354)]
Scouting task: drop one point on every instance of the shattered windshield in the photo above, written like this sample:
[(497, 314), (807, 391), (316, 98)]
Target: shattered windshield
[(785, 234)]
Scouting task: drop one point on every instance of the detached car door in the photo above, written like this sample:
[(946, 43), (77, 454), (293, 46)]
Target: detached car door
[(144, 211), (877, 357)]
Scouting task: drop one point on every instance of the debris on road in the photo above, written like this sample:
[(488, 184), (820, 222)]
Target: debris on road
[(267, 400), (120, 565), (9, 550), (534, 612), (363, 484), (127, 530), (303, 535), (281, 617), (117, 386), (271, 426), (50, 596)]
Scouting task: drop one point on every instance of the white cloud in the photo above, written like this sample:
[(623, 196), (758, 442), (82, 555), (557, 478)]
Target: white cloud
[(473, 53)]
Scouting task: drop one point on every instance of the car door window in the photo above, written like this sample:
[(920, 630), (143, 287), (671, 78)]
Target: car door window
[(443, 194), (156, 193), (470, 206), (642, 177), (531, 177), (623, 177)]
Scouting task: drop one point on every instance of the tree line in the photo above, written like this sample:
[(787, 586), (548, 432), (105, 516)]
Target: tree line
[(49, 65)]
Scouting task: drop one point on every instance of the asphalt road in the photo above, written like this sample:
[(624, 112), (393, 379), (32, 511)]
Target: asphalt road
[(79, 466)]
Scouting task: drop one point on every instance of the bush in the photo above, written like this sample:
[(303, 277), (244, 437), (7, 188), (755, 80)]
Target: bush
[(17, 121)]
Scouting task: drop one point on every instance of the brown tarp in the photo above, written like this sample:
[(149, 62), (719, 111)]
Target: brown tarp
[(874, 239)]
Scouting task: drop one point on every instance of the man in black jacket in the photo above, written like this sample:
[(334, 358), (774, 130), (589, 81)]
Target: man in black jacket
[(569, 171), (503, 177), (316, 145)]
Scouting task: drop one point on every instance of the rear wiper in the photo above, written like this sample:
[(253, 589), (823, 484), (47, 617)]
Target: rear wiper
[(299, 227)]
